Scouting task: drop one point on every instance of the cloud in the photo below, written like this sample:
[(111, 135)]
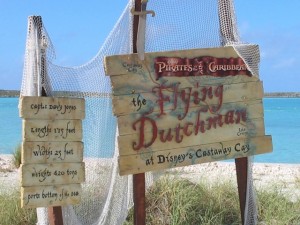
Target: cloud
[(290, 62)]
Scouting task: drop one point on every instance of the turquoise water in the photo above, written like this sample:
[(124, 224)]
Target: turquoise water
[(282, 121), (10, 125)]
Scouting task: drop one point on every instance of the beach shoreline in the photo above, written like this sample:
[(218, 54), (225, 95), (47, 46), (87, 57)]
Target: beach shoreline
[(285, 177)]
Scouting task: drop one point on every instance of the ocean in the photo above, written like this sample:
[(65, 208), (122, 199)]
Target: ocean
[(282, 121)]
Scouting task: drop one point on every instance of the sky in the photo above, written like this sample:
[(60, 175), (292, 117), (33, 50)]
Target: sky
[(78, 29)]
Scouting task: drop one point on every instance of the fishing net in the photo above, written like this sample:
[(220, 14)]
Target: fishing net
[(177, 25)]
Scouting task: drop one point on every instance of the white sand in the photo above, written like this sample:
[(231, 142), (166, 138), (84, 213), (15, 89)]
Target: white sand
[(285, 177), (9, 178)]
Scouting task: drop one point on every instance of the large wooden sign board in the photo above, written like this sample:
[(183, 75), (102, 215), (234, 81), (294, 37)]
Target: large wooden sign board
[(52, 151), (185, 107)]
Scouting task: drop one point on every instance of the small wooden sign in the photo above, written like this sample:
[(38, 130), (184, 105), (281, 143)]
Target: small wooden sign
[(51, 152), (52, 130), (51, 174), (183, 100), (45, 196), (50, 108)]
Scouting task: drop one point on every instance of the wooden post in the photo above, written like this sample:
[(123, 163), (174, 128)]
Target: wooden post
[(241, 165), (54, 213), (228, 35), (138, 179)]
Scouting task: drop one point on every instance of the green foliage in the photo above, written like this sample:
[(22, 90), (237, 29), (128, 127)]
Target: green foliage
[(275, 208), (174, 201), (17, 156), (12, 213)]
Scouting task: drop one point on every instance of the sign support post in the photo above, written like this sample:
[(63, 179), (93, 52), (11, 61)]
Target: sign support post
[(241, 164), (54, 213), (138, 179)]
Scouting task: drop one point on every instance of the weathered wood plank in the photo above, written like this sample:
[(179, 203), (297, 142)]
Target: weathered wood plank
[(128, 64), (50, 108), (52, 130), (137, 83), (51, 174), (188, 135), (251, 110), (45, 196), (172, 98), (51, 152), (158, 160)]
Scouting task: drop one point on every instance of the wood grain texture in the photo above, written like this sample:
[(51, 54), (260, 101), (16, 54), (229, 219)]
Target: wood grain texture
[(45, 196), (51, 174), (253, 110), (51, 152), (125, 104), (52, 130), (141, 83), (251, 128), (158, 160), (50, 108), (128, 64)]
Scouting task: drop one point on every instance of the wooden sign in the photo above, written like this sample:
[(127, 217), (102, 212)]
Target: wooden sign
[(176, 102), (52, 151), (45, 196), (52, 108), (52, 174), (52, 130), (147, 160), (143, 102)]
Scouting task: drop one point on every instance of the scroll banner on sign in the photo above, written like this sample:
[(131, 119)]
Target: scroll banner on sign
[(52, 151), (186, 107)]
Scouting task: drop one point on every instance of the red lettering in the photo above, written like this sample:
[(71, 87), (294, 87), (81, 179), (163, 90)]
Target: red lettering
[(212, 122), (161, 98), (241, 114), (168, 137), (219, 95), (185, 129), (141, 143), (178, 137), (200, 123), (185, 97), (229, 117)]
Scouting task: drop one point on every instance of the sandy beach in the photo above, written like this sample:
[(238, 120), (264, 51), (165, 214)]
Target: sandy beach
[(9, 178), (286, 177)]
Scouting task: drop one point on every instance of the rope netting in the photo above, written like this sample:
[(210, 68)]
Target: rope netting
[(177, 25)]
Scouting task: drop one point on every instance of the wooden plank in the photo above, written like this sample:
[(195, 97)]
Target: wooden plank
[(45, 196), (159, 160), (51, 174), (128, 64), (172, 99), (50, 108), (137, 83), (252, 110), (52, 130), (51, 152), (189, 136)]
